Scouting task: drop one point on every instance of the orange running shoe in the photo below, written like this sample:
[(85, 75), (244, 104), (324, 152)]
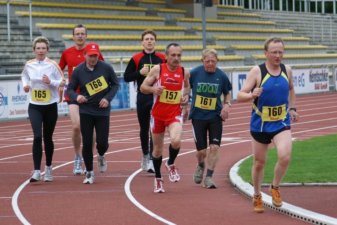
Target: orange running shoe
[(276, 196), (258, 203)]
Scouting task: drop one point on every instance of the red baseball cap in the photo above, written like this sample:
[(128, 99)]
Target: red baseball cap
[(92, 49)]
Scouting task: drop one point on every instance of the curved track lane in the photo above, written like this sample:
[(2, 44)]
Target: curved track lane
[(124, 194)]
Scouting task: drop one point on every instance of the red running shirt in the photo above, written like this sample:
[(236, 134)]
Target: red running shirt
[(72, 57), (167, 106)]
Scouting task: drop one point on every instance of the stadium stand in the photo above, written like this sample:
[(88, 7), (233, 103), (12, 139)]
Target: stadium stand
[(134, 39), (236, 33), (246, 31), (56, 29), (320, 28), (301, 58), (229, 8), (257, 40), (190, 22), (58, 17), (247, 50), (189, 50), (238, 15)]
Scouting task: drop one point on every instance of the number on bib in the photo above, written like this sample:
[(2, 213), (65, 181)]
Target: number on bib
[(170, 97), (96, 86), (41, 95), (150, 67), (205, 102), (273, 113)]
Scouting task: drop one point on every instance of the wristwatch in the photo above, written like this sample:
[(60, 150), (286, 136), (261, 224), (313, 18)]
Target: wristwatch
[(228, 103)]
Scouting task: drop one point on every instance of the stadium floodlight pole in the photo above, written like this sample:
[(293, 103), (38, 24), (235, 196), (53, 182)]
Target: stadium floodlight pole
[(8, 22), (203, 15), (30, 21)]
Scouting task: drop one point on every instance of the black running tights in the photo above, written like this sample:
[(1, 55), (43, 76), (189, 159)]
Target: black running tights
[(101, 126), (43, 120)]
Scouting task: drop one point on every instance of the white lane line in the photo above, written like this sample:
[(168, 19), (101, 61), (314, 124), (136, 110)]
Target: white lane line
[(59, 149), (127, 186), (15, 206), (127, 189), (137, 204), (24, 184), (17, 192)]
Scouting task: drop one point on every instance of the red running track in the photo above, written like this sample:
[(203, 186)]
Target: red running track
[(124, 194)]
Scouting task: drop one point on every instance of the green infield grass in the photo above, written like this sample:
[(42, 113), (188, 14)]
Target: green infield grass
[(313, 161)]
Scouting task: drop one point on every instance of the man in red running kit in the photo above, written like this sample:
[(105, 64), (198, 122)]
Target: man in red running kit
[(169, 84), (72, 57)]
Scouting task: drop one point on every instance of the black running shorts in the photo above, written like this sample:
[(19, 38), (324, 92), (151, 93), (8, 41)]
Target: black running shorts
[(200, 129)]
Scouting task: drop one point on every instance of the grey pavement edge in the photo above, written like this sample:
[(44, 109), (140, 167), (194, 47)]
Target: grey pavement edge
[(287, 209)]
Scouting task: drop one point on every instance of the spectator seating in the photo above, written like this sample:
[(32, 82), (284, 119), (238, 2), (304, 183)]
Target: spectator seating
[(237, 34), (131, 40)]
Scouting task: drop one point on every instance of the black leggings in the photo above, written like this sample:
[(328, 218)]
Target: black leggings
[(101, 125), (46, 116), (144, 106)]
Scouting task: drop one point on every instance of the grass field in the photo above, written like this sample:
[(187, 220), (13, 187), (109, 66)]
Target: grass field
[(313, 160)]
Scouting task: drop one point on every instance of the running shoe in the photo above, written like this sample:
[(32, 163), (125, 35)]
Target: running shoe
[(208, 183), (145, 162), (102, 164), (150, 167), (78, 167), (36, 176), (89, 177), (276, 196), (198, 174), (258, 203), (158, 185), (173, 173), (48, 175)]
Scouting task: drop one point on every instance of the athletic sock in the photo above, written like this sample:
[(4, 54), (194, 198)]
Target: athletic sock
[(274, 187), (173, 153), (209, 173), (201, 164), (157, 164)]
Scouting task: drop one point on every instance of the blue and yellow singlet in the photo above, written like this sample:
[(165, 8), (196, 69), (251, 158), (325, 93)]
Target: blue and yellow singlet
[(270, 109)]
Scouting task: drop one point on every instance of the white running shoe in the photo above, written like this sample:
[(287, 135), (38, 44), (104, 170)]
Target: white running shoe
[(173, 173), (150, 167), (36, 176), (89, 177), (198, 174), (102, 164), (78, 167), (48, 176), (208, 183), (158, 185), (145, 162)]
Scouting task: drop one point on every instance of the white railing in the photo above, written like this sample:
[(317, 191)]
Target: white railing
[(9, 18)]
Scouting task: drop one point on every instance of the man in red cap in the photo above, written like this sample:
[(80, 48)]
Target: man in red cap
[(71, 58), (98, 85)]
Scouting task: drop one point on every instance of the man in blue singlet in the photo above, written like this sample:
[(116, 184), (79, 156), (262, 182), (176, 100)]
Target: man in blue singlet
[(270, 87)]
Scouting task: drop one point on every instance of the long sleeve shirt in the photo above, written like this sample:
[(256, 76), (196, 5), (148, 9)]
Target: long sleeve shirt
[(137, 62), (41, 93), (71, 58), (96, 84)]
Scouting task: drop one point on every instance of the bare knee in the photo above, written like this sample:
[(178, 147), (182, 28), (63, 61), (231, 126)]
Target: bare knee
[(213, 149), (284, 160), (76, 129), (175, 143), (259, 164)]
